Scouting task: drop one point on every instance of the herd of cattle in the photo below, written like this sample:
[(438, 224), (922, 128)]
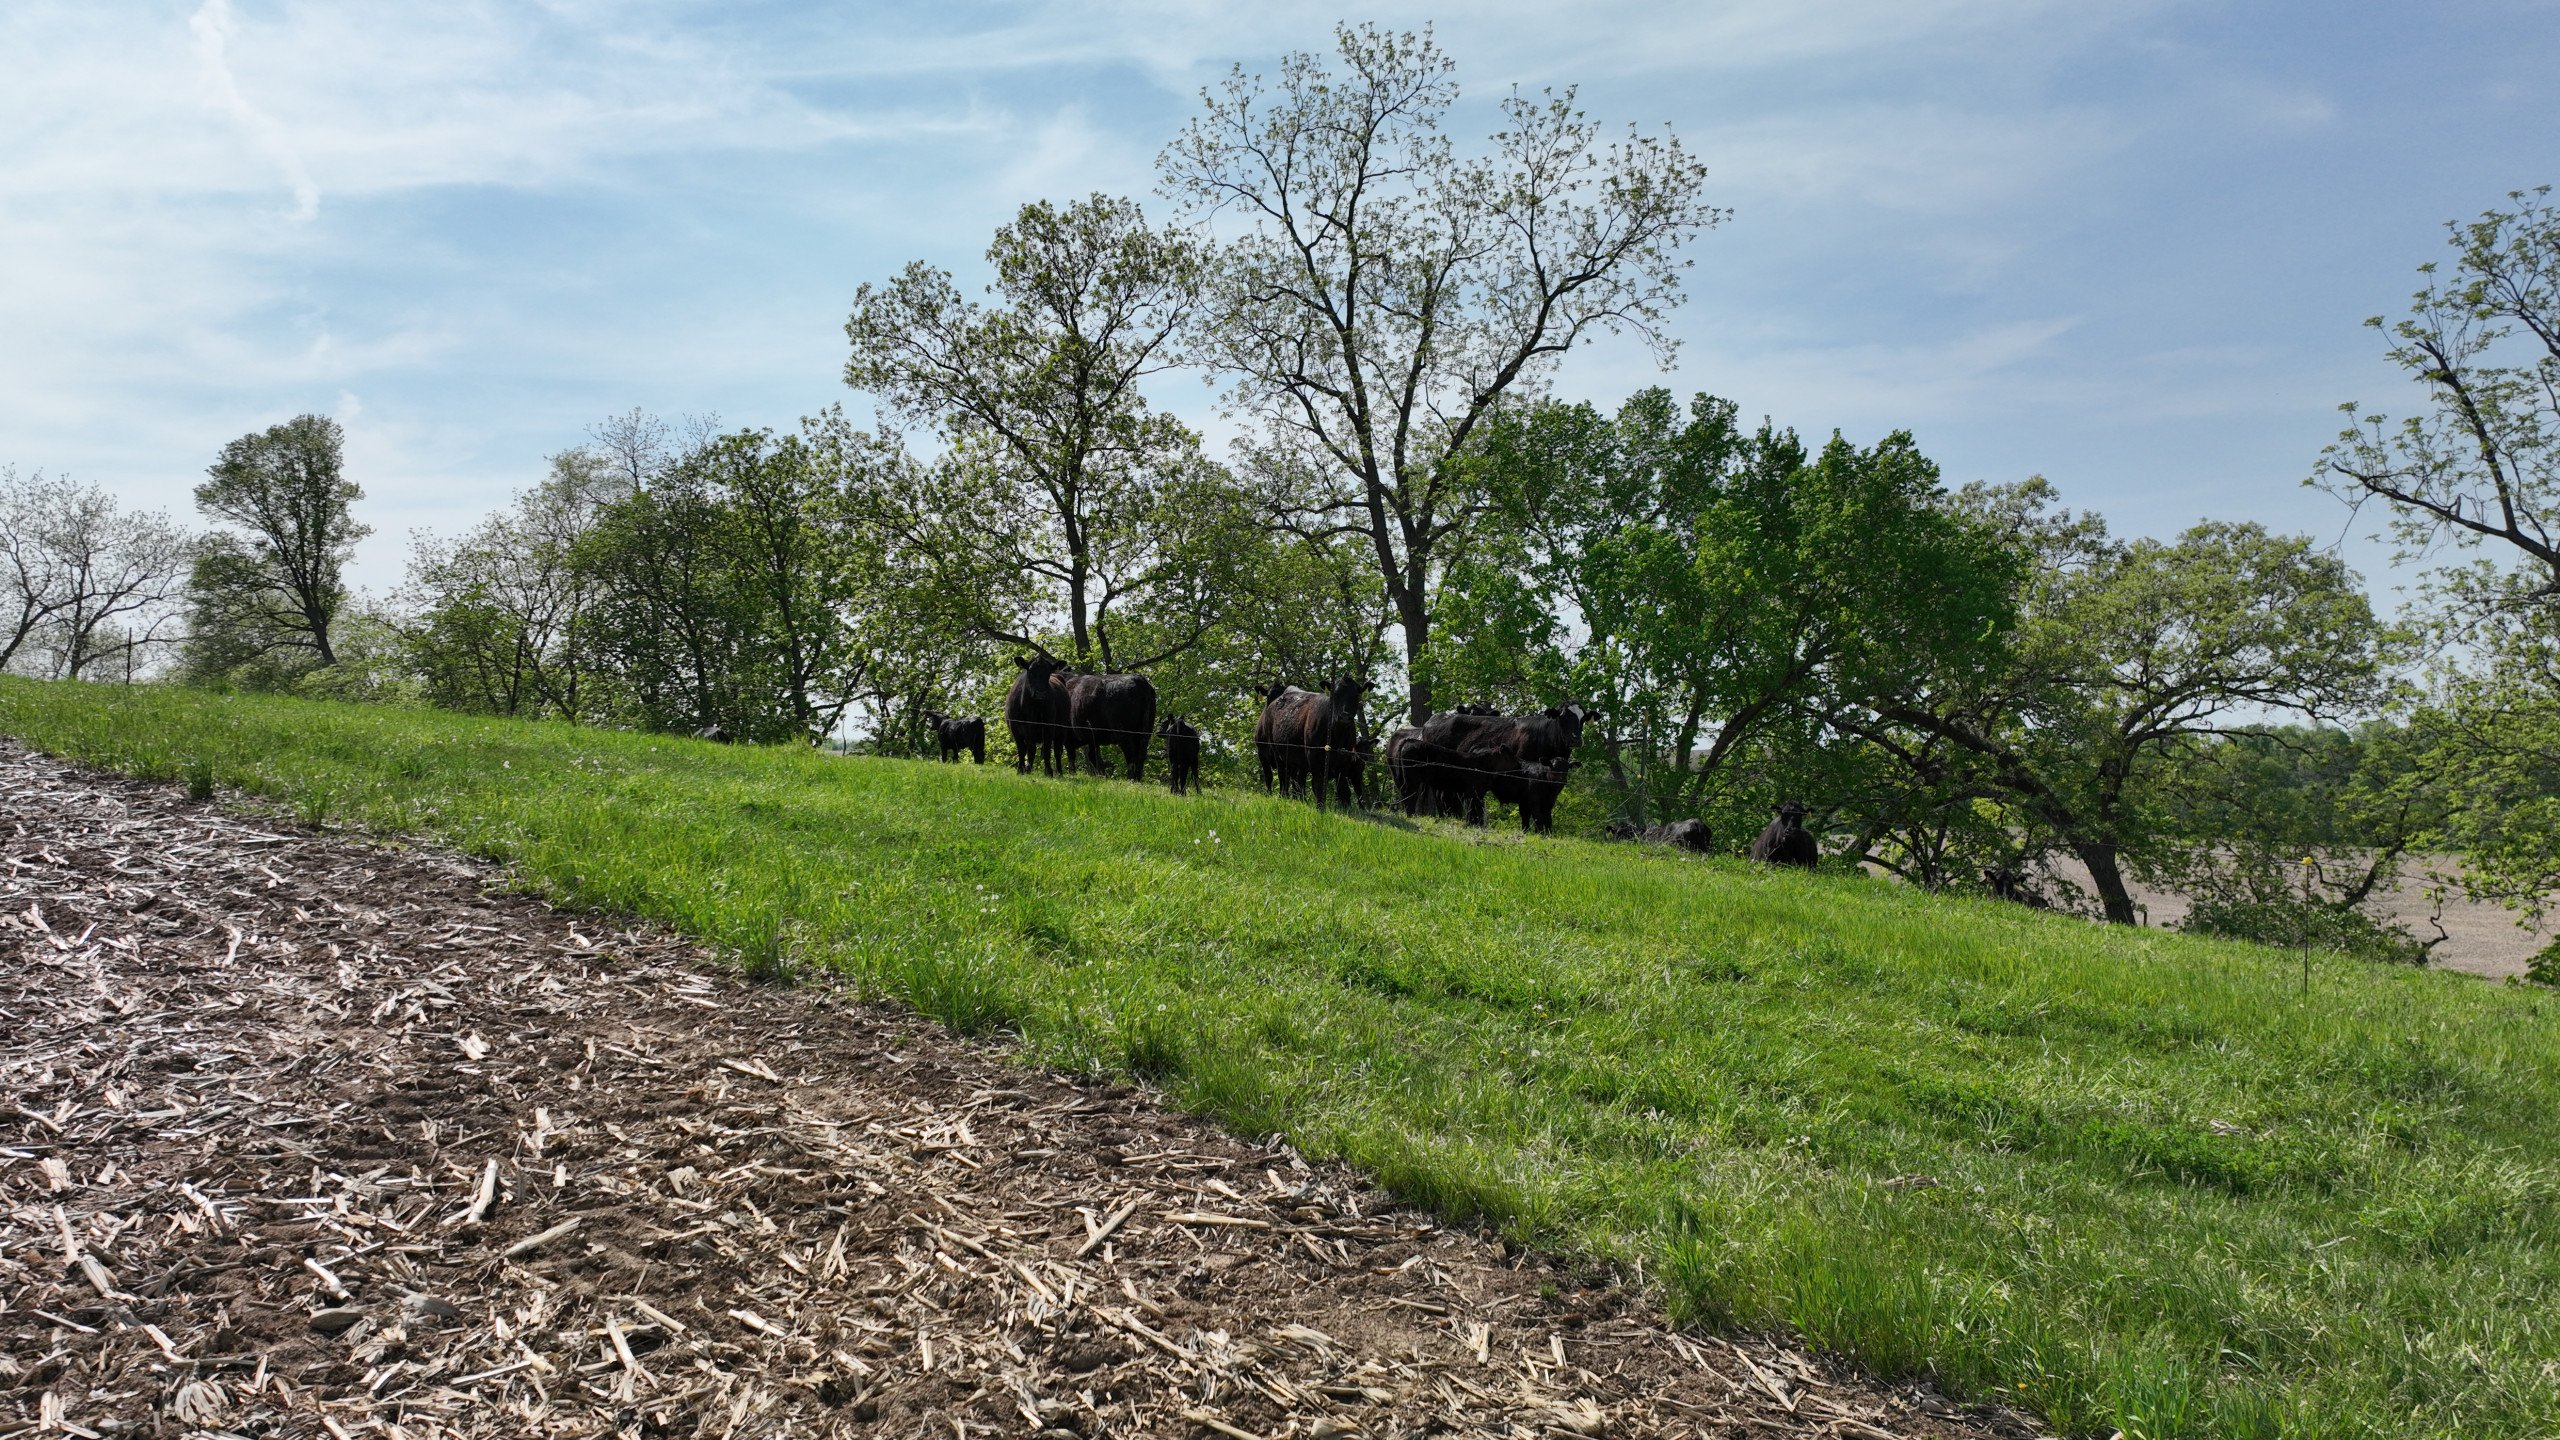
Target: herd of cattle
[(1313, 743)]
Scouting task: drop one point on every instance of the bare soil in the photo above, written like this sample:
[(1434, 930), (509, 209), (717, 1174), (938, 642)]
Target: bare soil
[(307, 1136)]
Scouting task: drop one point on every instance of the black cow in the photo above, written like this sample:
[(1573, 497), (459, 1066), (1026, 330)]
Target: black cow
[(2013, 886), (1786, 841), (1035, 712), (1344, 756), (1181, 752), (1539, 786), (1115, 710), (1456, 759), (1402, 774), (958, 733), (716, 734), (1311, 739), (1364, 760), (1274, 756), (1682, 834)]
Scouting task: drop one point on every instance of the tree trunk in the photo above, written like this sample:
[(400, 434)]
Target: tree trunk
[(1078, 620), (2100, 857), (1414, 617)]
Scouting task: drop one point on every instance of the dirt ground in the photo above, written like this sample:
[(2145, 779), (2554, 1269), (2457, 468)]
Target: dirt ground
[(302, 1136)]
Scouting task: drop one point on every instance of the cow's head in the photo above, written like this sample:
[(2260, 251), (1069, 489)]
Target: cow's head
[(1346, 692), (1792, 812), (1569, 718), (936, 717), (1039, 669)]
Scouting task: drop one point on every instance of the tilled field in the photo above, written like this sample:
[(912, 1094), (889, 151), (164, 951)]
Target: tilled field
[(303, 1136)]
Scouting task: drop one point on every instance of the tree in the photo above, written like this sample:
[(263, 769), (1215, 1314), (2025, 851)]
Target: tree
[(2289, 831), (271, 592), (1709, 586), (2492, 729), (1387, 295), (2477, 472), (89, 584), (501, 615), (32, 569), (788, 544), (2481, 465), (724, 592), (1061, 488), (2125, 653)]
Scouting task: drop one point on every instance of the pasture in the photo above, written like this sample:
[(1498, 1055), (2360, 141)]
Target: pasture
[(2130, 1180)]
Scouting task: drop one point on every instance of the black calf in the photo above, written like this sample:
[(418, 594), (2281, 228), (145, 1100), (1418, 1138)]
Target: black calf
[(958, 733)]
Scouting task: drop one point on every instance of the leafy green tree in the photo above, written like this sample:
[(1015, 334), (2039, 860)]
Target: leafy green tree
[(670, 620), (264, 596), (1708, 586), (2126, 652), (723, 593), (2494, 732), (787, 531), (501, 615), (2292, 834), (1301, 610), (1387, 295), (1061, 494), (2475, 473)]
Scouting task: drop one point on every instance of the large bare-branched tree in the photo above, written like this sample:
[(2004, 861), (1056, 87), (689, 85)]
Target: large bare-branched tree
[(1380, 293), (85, 584)]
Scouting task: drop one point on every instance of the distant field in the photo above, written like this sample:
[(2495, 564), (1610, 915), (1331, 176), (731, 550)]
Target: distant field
[(2129, 1180), (2479, 938)]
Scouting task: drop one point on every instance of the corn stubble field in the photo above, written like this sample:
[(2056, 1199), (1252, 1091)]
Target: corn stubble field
[(2126, 1180)]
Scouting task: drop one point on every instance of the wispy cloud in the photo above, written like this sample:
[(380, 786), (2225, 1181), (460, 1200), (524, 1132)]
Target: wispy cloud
[(211, 25)]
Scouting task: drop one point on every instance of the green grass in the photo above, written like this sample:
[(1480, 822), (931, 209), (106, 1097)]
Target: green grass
[(2166, 1190)]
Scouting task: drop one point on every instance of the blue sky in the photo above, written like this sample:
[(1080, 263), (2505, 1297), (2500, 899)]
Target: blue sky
[(2120, 243)]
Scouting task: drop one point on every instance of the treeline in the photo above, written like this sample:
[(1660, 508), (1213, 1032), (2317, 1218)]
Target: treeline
[(1968, 685)]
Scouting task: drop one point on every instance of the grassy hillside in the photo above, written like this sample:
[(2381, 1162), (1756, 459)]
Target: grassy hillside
[(2129, 1179)]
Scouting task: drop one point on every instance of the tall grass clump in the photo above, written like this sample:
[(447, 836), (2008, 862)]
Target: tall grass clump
[(2132, 1180)]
